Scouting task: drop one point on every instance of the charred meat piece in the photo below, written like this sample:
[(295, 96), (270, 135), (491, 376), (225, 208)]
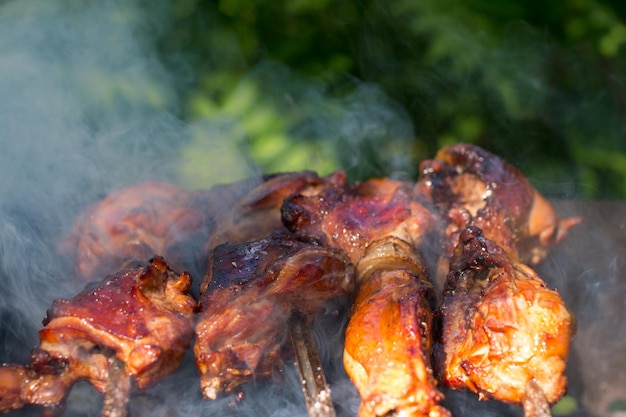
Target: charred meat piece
[(503, 329), (141, 317), (472, 186), (250, 210), (252, 289), (136, 223), (389, 334)]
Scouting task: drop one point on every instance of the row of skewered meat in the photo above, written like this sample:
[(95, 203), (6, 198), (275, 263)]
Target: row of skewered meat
[(470, 226)]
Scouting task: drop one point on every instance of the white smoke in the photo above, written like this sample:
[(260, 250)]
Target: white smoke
[(85, 109), (82, 111)]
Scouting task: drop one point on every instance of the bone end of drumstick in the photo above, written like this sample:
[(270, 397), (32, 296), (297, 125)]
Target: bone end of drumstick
[(535, 403)]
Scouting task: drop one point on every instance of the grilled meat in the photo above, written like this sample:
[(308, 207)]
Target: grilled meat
[(289, 242), (352, 216), (389, 335), (466, 182), (136, 223), (388, 338), (252, 289), (255, 212), (250, 233), (142, 316), (469, 186), (503, 328)]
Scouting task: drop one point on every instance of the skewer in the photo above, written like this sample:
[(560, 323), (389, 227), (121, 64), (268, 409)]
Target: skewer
[(535, 403), (117, 390), (314, 386)]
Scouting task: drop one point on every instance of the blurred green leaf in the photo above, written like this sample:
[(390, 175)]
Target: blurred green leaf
[(540, 84)]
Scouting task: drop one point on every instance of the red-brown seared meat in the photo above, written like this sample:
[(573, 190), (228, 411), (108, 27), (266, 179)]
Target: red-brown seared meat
[(136, 223), (389, 334), (466, 181), (352, 216), (502, 327), (142, 315), (249, 210), (242, 325)]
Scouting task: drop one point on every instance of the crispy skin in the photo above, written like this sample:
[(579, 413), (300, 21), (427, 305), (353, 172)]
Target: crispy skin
[(242, 326), (142, 315), (136, 223), (503, 328), (471, 186), (388, 338), (387, 347)]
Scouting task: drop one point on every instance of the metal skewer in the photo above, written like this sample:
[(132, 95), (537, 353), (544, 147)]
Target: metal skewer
[(117, 390), (535, 403), (314, 386)]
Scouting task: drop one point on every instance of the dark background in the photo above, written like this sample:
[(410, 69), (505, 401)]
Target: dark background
[(539, 83)]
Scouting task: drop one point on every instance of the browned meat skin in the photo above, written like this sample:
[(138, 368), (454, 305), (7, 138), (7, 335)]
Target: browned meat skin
[(142, 315), (253, 288), (388, 338), (503, 328), (247, 211), (472, 186), (389, 335), (250, 213), (352, 216), (136, 223)]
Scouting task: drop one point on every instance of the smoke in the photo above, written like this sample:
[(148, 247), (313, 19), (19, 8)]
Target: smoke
[(85, 109), (83, 112)]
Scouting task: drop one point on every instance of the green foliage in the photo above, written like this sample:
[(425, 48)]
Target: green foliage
[(566, 405), (539, 83), (617, 406)]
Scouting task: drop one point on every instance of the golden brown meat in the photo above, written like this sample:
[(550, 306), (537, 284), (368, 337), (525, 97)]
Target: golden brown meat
[(388, 337), (141, 316), (136, 223), (252, 289), (469, 186), (503, 328), (249, 217)]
